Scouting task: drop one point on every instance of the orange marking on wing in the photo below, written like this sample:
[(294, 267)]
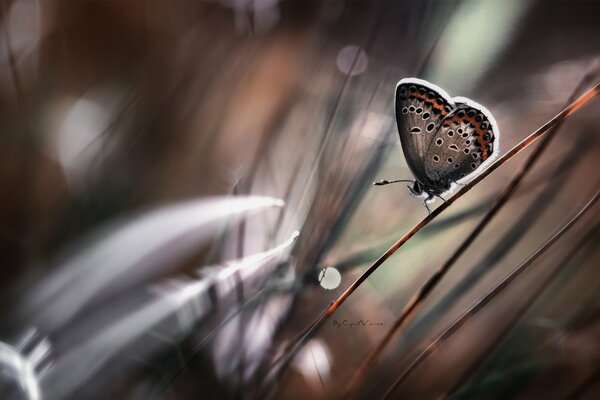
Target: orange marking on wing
[(431, 101), (480, 132), (484, 153)]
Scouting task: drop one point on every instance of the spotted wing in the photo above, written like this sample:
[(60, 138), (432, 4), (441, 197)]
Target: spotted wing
[(420, 109), (464, 145)]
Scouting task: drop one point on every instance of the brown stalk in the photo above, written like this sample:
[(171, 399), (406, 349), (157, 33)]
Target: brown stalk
[(361, 257), (490, 295), (290, 352), (411, 307), (564, 262)]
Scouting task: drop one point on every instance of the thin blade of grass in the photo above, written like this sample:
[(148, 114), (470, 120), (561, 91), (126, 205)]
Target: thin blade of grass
[(524, 222), (281, 362), (418, 298), (494, 376), (490, 295), (564, 262), (360, 257)]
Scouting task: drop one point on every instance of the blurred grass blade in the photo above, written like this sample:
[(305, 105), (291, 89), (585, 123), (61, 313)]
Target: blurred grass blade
[(181, 307), (525, 221), (491, 294), (581, 247), (128, 252), (279, 365), (417, 299)]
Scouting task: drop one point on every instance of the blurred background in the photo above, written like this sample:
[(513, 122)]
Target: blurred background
[(175, 176)]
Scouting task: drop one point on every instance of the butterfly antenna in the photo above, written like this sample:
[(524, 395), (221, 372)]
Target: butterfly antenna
[(386, 182)]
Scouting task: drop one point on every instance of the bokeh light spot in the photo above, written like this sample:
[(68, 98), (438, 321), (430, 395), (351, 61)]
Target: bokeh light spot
[(330, 278), (352, 60)]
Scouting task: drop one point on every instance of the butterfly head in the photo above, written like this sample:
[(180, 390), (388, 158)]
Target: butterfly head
[(429, 188), (416, 189)]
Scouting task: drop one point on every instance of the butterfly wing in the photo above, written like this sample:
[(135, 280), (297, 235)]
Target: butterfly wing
[(465, 144), (420, 109)]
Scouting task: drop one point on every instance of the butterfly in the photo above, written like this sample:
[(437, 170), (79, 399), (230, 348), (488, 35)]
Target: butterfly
[(446, 140)]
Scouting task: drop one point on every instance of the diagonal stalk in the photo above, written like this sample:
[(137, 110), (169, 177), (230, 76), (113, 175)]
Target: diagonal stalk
[(590, 234), (280, 364), (490, 295), (411, 307)]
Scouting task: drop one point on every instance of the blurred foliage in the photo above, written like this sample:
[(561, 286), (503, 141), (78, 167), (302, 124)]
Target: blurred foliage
[(135, 266)]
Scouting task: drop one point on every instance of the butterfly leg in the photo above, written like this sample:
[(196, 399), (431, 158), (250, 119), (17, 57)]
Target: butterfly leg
[(386, 182), (425, 203), (443, 199)]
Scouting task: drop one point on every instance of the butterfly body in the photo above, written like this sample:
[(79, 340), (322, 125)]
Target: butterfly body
[(445, 140)]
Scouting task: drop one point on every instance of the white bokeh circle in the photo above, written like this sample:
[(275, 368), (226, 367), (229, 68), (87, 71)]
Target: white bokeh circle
[(330, 278), (352, 60)]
